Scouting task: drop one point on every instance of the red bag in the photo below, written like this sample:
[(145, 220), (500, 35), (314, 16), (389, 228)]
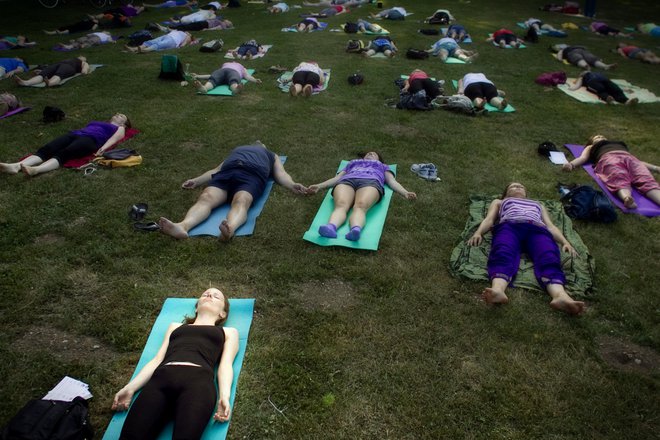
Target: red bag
[(551, 78)]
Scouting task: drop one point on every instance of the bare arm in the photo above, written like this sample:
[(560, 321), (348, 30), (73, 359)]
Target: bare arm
[(397, 187), (460, 87), (201, 179), (556, 233), (85, 68), (226, 374), (651, 167), (486, 223), (584, 158), (252, 78), (196, 76), (576, 84), (313, 189), (283, 178), (123, 398), (119, 135)]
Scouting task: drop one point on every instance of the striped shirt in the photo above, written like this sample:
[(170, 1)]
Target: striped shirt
[(515, 210)]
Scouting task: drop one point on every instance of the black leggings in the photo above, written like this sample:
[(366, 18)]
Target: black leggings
[(180, 392), (304, 77), (67, 147), (507, 38), (194, 26), (481, 90), (430, 86), (606, 88), (81, 26)]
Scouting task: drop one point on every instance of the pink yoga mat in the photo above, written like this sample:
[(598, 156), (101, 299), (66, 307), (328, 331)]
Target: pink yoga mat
[(645, 206), (13, 112)]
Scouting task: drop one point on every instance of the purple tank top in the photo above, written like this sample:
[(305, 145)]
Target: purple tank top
[(99, 131), (515, 210), (366, 169)]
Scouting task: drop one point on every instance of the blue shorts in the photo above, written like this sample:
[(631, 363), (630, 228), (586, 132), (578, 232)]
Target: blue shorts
[(449, 46), (633, 53), (655, 32), (234, 180), (361, 183)]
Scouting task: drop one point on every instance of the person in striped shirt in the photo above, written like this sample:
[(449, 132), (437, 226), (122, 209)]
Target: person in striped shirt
[(523, 225)]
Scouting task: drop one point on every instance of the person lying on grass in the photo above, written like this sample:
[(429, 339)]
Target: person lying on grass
[(331, 11), (600, 85), (448, 47), (651, 29), (201, 15), (178, 383), (15, 42), (518, 225), (172, 4), (307, 25), (481, 90), (538, 26), (247, 50), (126, 11), (278, 8), (11, 66), (239, 180), (579, 56), (420, 80), (53, 74), (8, 102), (457, 32), (505, 37), (347, 3), (172, 40), (383, 44), (619, 169), (602, 28), (637, 53), (229, 74), (359, 186), (365, 26), (306, 76), (89, 40), (95, 138), (212, 24), (395, 13), (80, 26)]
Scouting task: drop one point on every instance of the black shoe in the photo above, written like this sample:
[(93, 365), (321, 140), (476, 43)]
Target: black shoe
[(138, 211), (146, 227)]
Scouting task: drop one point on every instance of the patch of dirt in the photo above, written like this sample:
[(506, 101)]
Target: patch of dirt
[(627, 356), (62, 345), (48, 239), (330, 295), (191, 146)]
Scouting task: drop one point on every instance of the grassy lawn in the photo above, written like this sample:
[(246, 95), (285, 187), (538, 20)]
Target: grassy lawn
[(346, 344)]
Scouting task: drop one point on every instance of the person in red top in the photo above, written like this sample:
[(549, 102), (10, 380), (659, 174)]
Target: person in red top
[(637, 53), (418, 80), (504, 37)]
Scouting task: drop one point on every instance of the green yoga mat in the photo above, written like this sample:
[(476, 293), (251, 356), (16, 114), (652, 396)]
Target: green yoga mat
[(224, 89), (371, 232), (284, 82), (470, 261), (452, 60), (508, 109), (174, 309)]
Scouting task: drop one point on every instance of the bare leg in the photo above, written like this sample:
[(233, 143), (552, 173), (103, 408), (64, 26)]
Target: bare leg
[(307, 90), (295, 89), (562, 301), (29, 82), (626, 197), (14, 168), (604, 66), (210, 198), (53, 81), (443, 54), (495, 294), (236, 88), (49, 165), (344, 196), (498, 102), (237, 215), (365, 198), (203, 88)]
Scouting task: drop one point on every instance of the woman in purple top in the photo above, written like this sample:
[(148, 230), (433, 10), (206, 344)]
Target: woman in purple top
[(358, 187), (602, 28), (522, 225), (95, 138)]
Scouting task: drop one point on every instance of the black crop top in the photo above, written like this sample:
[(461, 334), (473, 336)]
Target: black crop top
[(602, 147), (199, 344)]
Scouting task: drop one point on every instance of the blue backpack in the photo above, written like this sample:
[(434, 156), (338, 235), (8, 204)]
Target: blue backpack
[(586, 203)]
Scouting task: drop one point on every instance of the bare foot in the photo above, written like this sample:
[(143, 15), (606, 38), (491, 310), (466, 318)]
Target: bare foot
[(492, 296), (172, 229), (199, 86), (10, 168), (307, 90), (238, 89), (629, 202), (28, 171), (226, 233), (568, 305), (293, 91), (632, 101), (479, 103)]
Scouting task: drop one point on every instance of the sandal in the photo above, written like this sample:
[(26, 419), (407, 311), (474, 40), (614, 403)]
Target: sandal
[(146, 227), (138, 211)]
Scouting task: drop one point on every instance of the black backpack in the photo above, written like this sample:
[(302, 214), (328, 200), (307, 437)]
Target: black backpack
[(416, 54), (50, 420), (429, 31), (439, 18), (586, 203), (53, 114), (531, 36), (139, 37), (355, 79), (355, 46), (350, 28), (211, 46)]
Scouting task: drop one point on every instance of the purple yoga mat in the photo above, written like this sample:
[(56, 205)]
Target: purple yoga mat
[(645, 206), (13, 112)]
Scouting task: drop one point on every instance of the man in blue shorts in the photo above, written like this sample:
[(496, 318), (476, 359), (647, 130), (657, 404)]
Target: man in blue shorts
[(239, 179)]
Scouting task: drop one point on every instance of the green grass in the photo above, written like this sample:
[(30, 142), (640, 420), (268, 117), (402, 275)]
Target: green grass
[(346, 344)]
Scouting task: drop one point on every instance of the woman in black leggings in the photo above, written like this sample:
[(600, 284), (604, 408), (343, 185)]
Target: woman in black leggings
[(177, 384)]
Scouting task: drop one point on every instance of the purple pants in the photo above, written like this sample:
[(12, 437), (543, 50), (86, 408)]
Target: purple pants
[(511, 239)]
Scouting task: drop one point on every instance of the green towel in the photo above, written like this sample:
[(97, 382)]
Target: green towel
[(470, 262)]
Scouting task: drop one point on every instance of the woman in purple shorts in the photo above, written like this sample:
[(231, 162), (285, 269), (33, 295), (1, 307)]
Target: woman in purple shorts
[(359, 186), (95, 138), (523, 225)]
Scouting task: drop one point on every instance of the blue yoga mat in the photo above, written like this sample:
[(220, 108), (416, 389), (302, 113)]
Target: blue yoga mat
[(211, 226), (174, 309)]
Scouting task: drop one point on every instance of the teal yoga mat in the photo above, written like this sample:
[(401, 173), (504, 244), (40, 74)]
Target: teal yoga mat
[(508, 46), (174, 309), (211, 226), (371, 232), (224, 89), (508, 109)]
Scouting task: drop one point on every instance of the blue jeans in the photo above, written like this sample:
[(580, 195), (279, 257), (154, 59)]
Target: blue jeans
[(161, 43)]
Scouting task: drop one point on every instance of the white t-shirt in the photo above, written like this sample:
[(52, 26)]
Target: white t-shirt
[(400, 9), (178, 37), (309, 67), (281, 6), (105, 38), (472, 78), (197, 16), (216, 4)]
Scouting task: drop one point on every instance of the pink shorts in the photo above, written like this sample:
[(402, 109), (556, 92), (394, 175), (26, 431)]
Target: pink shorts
[(620, 169)]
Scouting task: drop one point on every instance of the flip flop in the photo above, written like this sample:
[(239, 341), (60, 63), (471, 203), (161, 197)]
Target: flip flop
[(146, 227), (138, 211)]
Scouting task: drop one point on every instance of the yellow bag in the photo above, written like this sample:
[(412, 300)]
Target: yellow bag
[(130, 161), (569, 25)]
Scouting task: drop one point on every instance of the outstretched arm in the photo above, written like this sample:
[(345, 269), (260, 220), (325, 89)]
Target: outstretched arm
[(201, 179), (283, 178), (252, 78), (460, 87), (651, 167), (119, 135), (226, 374), (584, 158), (397, 187), (124, 396), (486, 223), (576, 84), (313, 189), (556, 233)]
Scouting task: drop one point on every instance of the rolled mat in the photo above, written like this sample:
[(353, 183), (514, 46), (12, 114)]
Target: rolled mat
[(15, 112), (174, 310)]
